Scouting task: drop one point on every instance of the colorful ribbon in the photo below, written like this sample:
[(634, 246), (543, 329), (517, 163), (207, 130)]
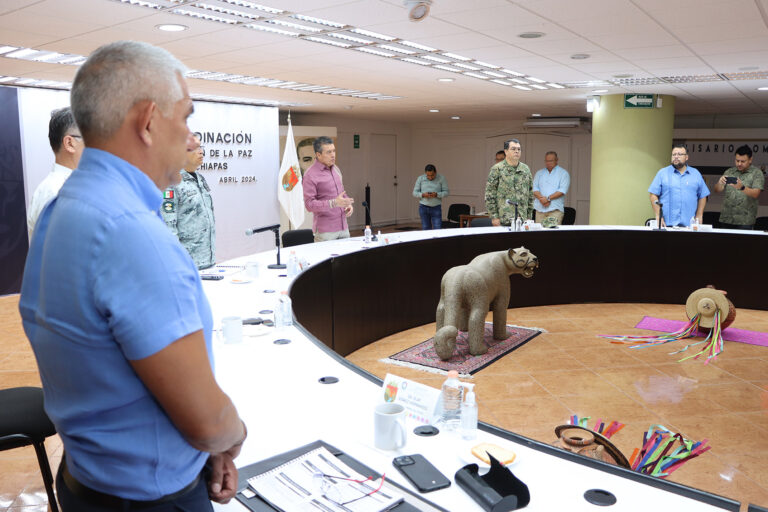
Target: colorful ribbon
[(600, 426), (713, 342), (663, 452)]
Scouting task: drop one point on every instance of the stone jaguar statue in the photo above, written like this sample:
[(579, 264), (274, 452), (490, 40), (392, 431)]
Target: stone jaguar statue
[(467, 292)]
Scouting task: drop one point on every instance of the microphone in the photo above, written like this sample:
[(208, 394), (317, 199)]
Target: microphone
[(368, 209), (659, 203), (514, 222), (249, 232)]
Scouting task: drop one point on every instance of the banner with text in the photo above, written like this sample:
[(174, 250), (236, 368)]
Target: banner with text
[(241, 161)]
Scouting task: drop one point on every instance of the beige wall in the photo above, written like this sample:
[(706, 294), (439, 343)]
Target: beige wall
[(463, 152)]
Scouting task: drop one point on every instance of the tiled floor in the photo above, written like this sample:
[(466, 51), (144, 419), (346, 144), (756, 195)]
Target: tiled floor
[(566, 370), (569, 370)]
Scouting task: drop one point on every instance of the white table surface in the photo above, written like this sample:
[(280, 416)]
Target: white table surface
[(276, 391)]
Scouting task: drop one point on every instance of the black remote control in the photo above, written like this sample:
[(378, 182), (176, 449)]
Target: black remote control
[(209, 277)]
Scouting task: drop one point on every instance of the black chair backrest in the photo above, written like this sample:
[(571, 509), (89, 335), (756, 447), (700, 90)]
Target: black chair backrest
[(482, 222), (457, 209), (761, 223), (569, 216), (297, 237), (710, 218)]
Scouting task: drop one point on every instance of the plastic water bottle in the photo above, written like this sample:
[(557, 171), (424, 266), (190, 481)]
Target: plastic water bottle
[(293, 264), (367, 235), (469, 414), (284, 312), (452, 393), (694, 223)]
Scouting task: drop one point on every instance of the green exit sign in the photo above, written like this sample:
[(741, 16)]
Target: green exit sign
[(357, 141), (638, 101)]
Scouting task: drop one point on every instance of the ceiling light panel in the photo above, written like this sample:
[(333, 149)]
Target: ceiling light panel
[(226, 10), (318, 21), (49, 57), (191, 11), (271, 29), (330, 32), (374, 35), (254, 6), (350, 38), (294, 26), (396, 48), (374, 51)]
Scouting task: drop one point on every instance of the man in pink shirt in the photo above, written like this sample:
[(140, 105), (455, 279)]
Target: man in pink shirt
[(324, 194)]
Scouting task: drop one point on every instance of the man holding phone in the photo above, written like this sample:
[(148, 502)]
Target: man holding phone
[(680, 189), (742, 185)]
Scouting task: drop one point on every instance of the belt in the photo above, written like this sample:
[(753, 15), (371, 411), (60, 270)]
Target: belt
[(110, 501)]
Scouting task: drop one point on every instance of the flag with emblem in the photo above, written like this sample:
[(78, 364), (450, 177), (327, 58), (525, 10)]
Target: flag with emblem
[(290, 193)]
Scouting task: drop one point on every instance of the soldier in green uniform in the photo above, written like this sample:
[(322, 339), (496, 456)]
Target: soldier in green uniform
[(188, 211), (742, 184), (510, 181)]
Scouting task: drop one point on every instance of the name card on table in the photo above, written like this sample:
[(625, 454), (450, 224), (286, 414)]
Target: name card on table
[(421, 402)]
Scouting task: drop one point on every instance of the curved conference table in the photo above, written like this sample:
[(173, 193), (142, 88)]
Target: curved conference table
[(352, 295)]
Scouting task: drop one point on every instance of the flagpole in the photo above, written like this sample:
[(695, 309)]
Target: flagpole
[(286, 141)]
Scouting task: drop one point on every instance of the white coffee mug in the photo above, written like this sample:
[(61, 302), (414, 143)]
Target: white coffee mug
[(232, 328), (252, 269), (389, 426)]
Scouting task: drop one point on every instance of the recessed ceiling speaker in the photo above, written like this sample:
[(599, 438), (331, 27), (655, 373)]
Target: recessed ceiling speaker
[(417, 9)]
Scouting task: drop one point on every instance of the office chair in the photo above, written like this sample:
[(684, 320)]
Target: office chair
[(454, 211), (297, 237), (482, 222), (711, 218), (761, 224), (23, 422), (569, 216)]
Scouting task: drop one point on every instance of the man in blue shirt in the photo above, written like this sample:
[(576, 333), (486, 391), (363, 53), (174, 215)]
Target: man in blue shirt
[(680, 189), (549, 188), (114, 308)]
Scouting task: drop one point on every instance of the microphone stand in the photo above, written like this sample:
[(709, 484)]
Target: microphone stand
[(276, 230), (277, 265), (661, 217), (374, 238), (516, 215)]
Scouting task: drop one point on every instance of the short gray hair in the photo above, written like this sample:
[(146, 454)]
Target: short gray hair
[(117, 76)]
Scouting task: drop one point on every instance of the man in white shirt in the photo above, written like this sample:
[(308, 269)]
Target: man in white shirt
[(67, 145)]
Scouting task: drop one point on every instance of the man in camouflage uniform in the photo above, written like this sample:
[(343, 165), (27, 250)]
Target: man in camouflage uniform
[(740, 204), (188, 210), (509, 180)]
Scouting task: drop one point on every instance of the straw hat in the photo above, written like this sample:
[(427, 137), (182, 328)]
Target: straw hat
[(705, 302)]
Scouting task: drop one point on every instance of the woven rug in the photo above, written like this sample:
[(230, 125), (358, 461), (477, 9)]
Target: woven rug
[(424, 357), (730, 334)]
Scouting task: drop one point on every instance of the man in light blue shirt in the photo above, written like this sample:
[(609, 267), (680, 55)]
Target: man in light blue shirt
[(431, 188), (114, 308), (680, 189), (549, 188)]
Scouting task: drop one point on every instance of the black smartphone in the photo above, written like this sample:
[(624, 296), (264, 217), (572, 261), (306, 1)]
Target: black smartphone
[(730, 179), (421, 473)]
